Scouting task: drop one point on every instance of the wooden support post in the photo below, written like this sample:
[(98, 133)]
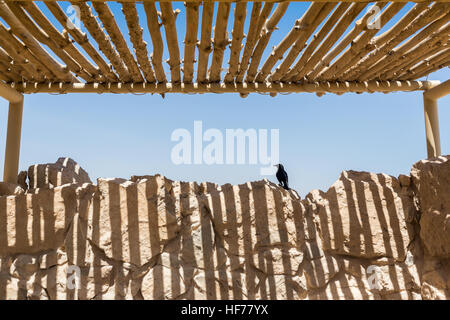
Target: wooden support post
[(432, 127), (12, 150), (430, 98)]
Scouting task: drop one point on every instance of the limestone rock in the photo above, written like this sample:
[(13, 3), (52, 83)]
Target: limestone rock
[(22, 179), (7, 189), (431, 179), (154, 238), (363, 215), (38, 221), (50, 175), (133, 221), (404, 180)]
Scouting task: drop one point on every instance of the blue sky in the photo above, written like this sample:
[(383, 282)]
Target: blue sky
[(123, 135)]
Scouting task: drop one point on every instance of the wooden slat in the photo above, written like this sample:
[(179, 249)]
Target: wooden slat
[(298, 71), (82, 39), (6, 74), (278, 1), (342, 44), (204, 47), (15, 47), (28, 39), (12, 68), (109, 23), (303, 27), (31, 72), (190, 41), (357, 48), (433, 64), (388, 40), (236, 43), (323, 56), (434, 41), (104, 44), (425, 55), (63, 42), (168, 20), (140, 47), (359, 56), (257, 21), (220, 41), (404, 47), (51, 41), (300, 44), (158, 44), (417, 24), (266, 33), (13, 72)]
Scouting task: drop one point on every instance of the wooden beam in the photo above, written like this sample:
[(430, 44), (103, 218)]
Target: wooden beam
[(237, 36), (323, 55), (396, 53), (204, 47), (406, 26), (362, 1), (250, 41), (63, 43), (406, 69), (30, 71), (7, 75), (220, 41), (140, 47), (358, 44), (298, 71), (266, 33), (254, 40), (190, 40), (50, 41), (158, 44), (9, 93), (439, 61), (438, 91), (168, 17), (104, 44), (109, 23), (245, 88), (300, 27), (82, 39), (435, 41), (32, 44)]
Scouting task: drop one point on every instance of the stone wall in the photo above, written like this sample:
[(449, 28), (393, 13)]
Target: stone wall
[(370, 236)]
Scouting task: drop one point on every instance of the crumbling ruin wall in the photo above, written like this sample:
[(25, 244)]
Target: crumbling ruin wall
[(370, 236)]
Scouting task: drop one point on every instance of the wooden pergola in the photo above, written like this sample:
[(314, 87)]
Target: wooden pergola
[(334, 46)]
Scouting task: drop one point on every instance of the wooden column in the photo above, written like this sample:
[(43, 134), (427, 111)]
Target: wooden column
[(432, 127), (430, 98), (12, 150)]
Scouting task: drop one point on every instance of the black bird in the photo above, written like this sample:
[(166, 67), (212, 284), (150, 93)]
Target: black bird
[(282, 176)]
